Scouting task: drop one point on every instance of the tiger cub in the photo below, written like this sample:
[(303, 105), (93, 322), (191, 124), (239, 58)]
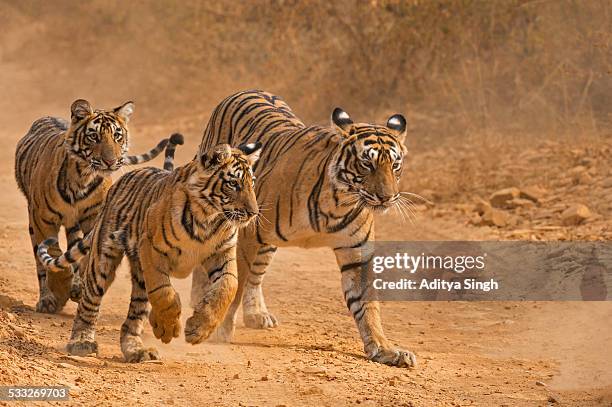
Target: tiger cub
[(321, 187), (166, 223), (64, 171)]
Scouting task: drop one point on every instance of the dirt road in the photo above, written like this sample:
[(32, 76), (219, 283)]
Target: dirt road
[(485, 354)]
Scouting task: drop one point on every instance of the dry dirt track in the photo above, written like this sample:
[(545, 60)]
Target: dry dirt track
[(487, 354)]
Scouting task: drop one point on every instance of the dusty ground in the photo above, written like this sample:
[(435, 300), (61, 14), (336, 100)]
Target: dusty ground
[(486, 354)]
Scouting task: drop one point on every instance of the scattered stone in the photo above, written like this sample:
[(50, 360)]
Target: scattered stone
[(495, 217), (534, 194), (520, 203), (482, 206), (538, 383), (154, 362), (314, 370), (264, 378), (579, 169), (475, 219), (500, 198), (584, 179), (18, 331), (575, 215), (67, 365)]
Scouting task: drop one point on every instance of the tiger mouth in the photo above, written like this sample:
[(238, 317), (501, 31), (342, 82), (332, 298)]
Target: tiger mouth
[(105, 169), (239, 217)]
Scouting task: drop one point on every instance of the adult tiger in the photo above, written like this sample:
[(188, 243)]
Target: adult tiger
[(64, 169), (319, 187), (166, 223)]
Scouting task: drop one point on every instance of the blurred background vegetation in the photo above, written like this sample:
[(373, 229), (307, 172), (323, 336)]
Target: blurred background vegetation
[(456, 68)]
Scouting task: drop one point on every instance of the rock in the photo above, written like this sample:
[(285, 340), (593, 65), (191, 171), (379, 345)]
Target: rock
[(67, 365), (18, 331), (495, 217), (607, 183), (153, 362), (482, 206), (577, 170), (314, 370), (575, 215), (534, 194), (520, 203), (475, 219), (500, 198), (584, 178)]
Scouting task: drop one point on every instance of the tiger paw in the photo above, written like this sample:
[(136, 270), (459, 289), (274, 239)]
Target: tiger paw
[(198, 328), (166, 323), (261, 320), (141, 355), (47, 304), (394, 357), (60, 285), (82, 348), (75, 292)]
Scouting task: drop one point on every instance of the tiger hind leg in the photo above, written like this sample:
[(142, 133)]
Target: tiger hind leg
[(255, 312), (131, 331), (50, 298), (97, 278)]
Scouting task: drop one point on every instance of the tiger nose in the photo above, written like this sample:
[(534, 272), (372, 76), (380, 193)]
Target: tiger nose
[(109, 161), (385, 197)]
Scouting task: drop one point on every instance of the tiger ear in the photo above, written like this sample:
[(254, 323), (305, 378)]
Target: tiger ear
[(397, 124), (341, 121), (216, 157), (252, 151), (79, 110), (125, 111)]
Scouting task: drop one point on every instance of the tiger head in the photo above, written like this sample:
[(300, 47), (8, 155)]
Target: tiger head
[(99, 137), (368, 164), (224, 183)]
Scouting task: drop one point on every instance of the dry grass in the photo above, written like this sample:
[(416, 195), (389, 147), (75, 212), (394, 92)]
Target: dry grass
[(458, 68)]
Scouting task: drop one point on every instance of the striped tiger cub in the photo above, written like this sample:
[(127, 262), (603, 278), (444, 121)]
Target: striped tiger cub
[(165, 223), (320, 187), (64, 169)]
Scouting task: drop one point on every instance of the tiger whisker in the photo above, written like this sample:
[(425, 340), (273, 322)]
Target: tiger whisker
[(417, 196)]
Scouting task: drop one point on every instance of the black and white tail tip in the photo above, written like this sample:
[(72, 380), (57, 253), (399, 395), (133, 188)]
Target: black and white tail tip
[(175, 140), (63, 262), (142, 158)]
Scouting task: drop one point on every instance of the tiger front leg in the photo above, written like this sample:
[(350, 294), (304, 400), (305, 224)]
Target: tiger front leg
[(132, 347), (165, 314), (210, 309), (354, 266)]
